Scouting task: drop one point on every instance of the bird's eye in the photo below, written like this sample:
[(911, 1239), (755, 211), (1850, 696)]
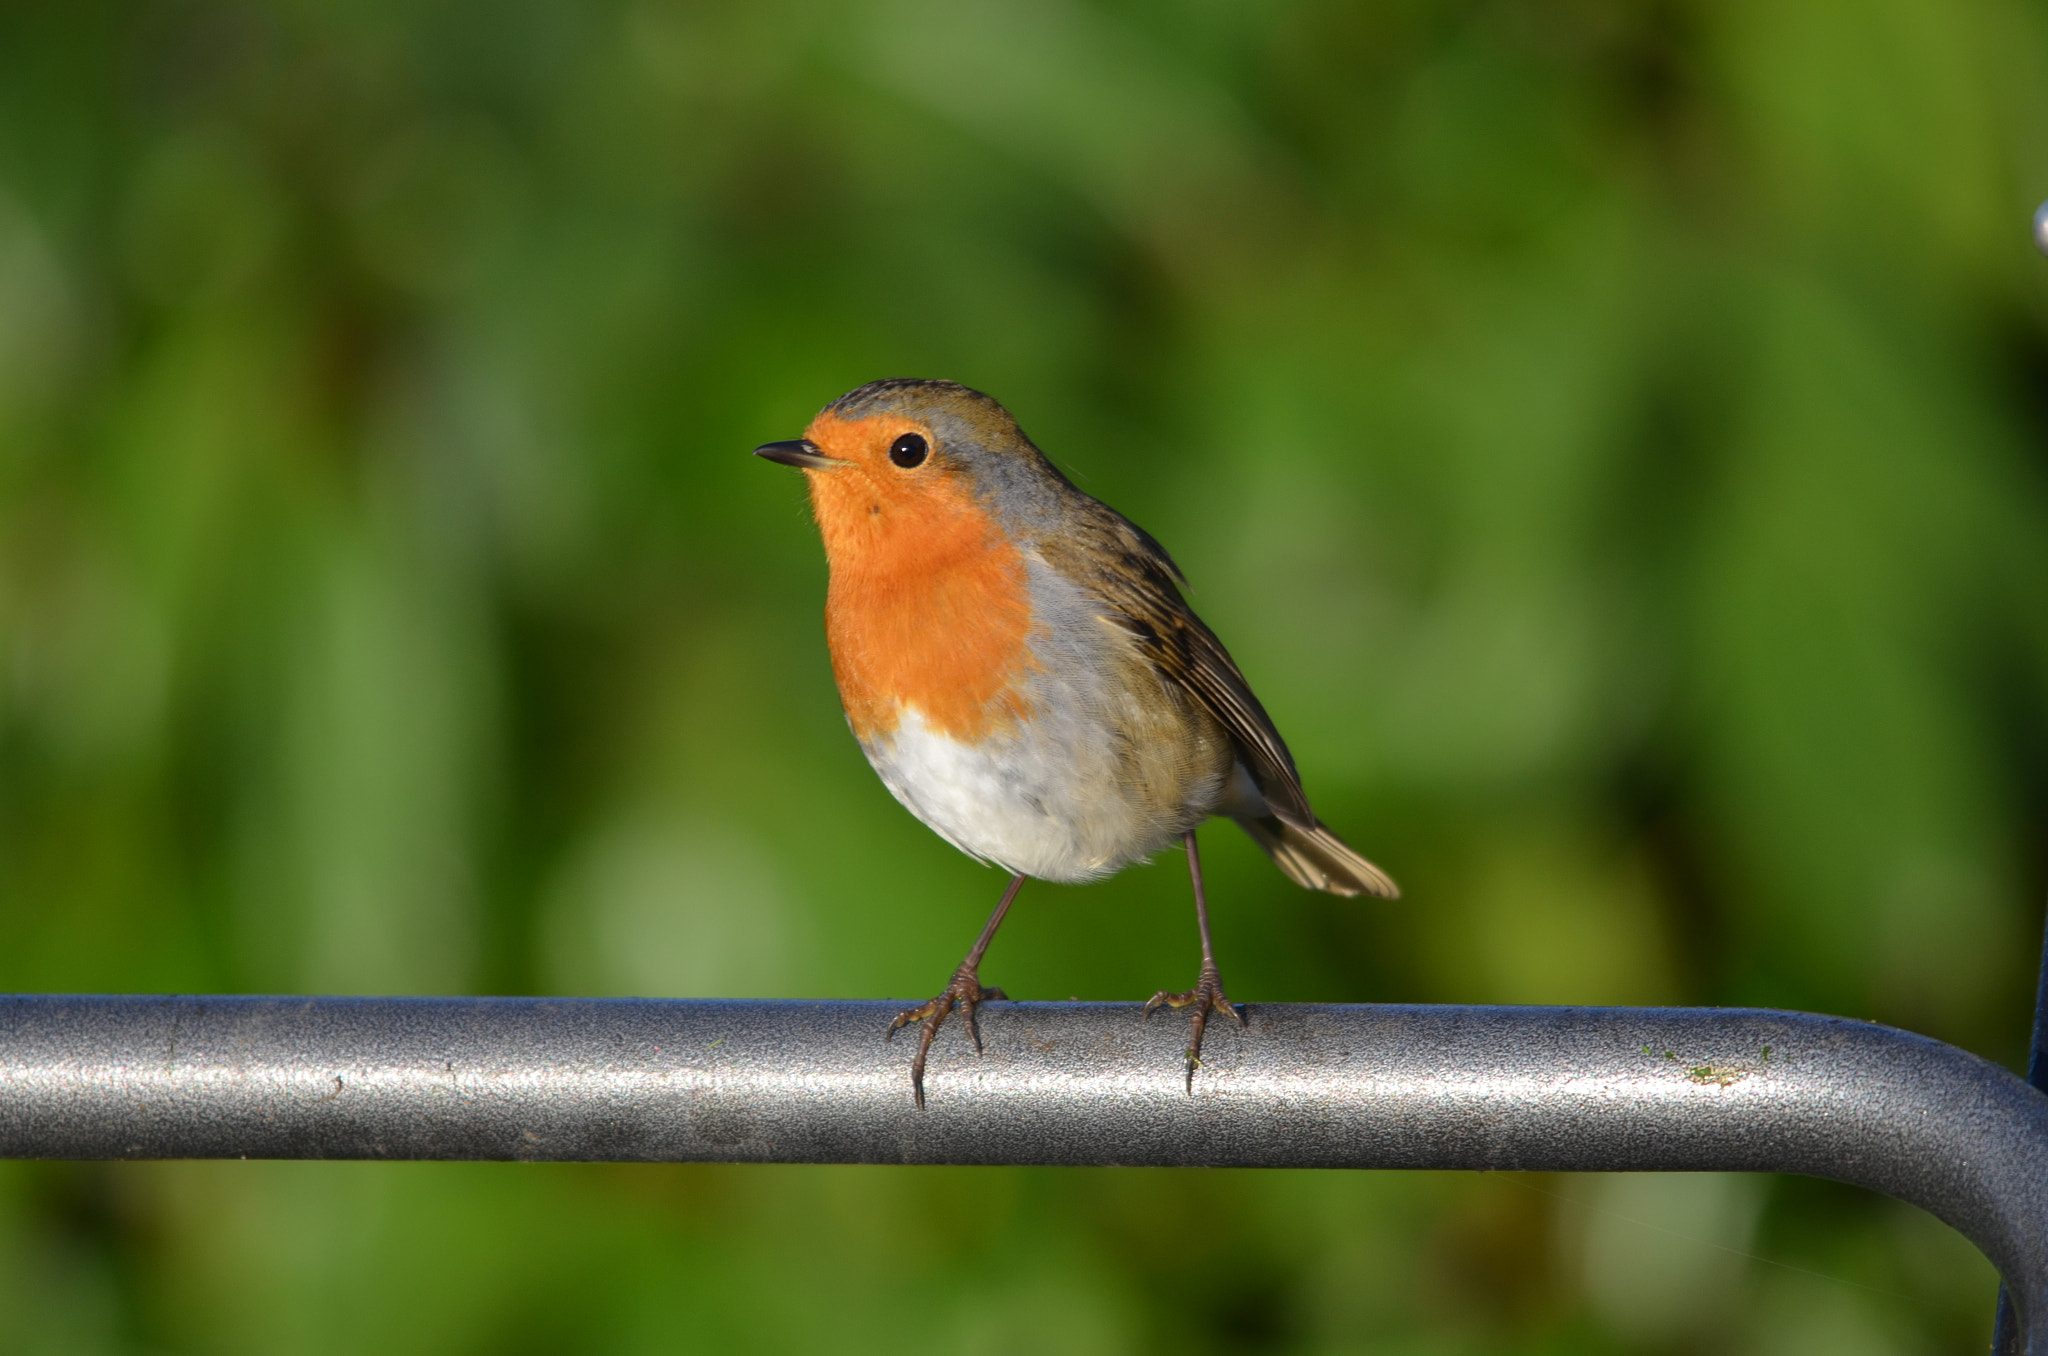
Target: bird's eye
[(908, 451)]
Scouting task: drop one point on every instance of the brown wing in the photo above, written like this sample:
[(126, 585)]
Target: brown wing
[(1138, 583)]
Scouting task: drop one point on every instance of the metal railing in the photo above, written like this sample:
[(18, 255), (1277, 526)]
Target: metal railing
[(1076, 1084)]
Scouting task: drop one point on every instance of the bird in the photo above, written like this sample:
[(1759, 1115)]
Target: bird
[(1017, 662)]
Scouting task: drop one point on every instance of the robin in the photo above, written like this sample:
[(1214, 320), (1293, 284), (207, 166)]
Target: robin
[(1018, 664)]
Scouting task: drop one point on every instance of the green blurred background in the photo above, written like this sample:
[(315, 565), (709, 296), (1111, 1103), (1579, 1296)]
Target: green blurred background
[(1610, 436)]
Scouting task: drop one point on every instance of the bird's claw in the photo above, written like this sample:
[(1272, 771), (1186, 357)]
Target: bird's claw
[(1206, 997), (965, 992)]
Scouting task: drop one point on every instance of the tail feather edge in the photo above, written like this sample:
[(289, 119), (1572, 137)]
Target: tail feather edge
[(1317, 859)]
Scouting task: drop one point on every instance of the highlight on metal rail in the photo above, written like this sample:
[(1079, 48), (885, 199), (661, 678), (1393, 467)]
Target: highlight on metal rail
[(1077, 1084)]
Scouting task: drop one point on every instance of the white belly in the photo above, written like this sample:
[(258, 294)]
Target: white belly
[(1034, 801)]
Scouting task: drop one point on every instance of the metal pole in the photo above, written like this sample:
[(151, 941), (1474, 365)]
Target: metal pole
[(1547, 1089), (2005, 1331)]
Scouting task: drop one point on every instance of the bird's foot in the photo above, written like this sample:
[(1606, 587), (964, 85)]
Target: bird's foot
[(1206, 997), (965, 992)]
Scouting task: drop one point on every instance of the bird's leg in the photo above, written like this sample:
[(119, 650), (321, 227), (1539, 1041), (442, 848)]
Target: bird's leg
[(966, 990), (1207, 996)]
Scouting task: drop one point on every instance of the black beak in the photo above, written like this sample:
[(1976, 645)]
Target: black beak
[(798, 452)]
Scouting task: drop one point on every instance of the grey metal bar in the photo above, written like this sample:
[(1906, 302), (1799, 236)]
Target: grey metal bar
[(2005, 1330), (1549, 1089)]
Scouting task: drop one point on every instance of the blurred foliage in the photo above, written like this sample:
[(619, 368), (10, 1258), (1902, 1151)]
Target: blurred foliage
[(1609, 435)]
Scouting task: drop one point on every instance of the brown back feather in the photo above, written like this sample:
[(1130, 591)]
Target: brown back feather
[(1114, 559)]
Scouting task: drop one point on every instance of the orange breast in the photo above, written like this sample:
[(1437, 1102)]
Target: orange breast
[(928, 605)]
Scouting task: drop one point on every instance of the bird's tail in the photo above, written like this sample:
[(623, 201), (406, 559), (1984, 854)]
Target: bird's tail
[(1318, 859)]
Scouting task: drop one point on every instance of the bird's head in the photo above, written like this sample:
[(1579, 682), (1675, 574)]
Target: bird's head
[(902, 465)]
